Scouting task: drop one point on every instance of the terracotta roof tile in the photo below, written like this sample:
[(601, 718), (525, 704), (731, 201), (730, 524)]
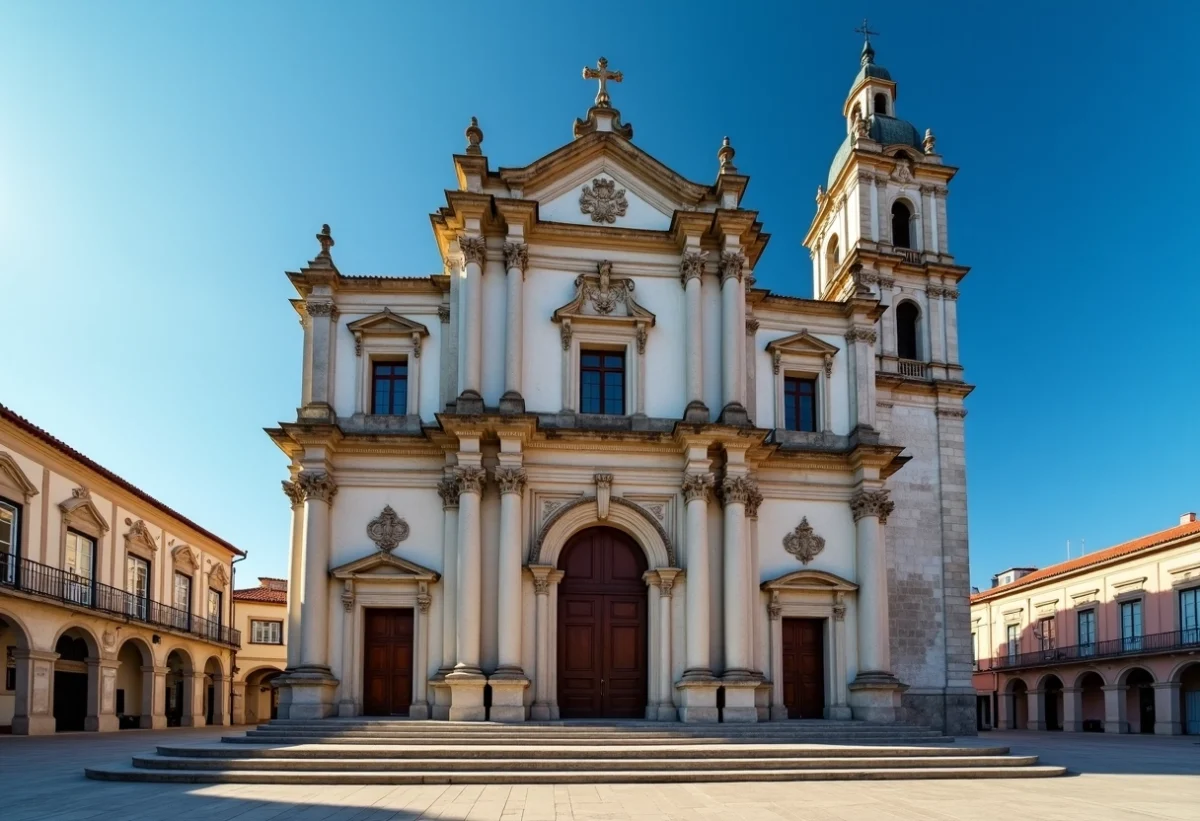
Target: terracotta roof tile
[(261, 594), (1083, 562), (62, 447)]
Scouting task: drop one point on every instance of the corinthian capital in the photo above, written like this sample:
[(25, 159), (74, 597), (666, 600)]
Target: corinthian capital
[(470, 479), (317, 484), (732, 265), (737, 490), (318, 308), (860, 335), (294, 492), (511, 480), (516, 255), (692, 266), (871, 503), (448, 490), (474, 249), (697, 486)]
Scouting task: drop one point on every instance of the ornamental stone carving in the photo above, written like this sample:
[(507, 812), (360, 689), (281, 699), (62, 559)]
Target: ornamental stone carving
[(387, 530), (950, 293), (444, 313), (470, 479), (732, 264), (516, 255), (603, 295), (697, 486), (565, 332), (423, 602), (774, 609), (692, 266), (541, 586), (318, 485), (510, 480), (751, 326), (934, 291), (140, 534), (218, 575), (448, 490), (474, 249), (828, 365), (641, 335), (860, 335), (871, 503), (737, 490), (903, 171), (603, 201), (752, 503), (318, 308), (839, 606), (348, 595), (294, 492), (803, 542)]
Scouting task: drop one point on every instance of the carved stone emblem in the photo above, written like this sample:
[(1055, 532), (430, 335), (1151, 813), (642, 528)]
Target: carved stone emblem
[(387, 530), (803, 543), (604, 296), (903, 172), (603, 200)]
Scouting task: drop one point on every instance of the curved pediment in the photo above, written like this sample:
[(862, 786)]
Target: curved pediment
[(11, 474), (80, 510), (602, 296), (382, 566), (810, 580)]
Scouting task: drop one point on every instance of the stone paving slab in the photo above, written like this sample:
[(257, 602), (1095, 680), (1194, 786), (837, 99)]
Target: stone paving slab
[(1138, 777)]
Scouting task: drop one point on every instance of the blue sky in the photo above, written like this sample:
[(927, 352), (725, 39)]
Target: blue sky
[(161, 165)]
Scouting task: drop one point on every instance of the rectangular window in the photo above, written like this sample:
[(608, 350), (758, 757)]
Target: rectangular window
[(1087, 632), (214, 606), (10, 540), (1045, 634), (137, 584), (266, 632), (181, 601), (1131, 625), (799, 403), (81, 559), (1189, 615), (389, 388), (1014, 641), (10, 668), (602, 382)]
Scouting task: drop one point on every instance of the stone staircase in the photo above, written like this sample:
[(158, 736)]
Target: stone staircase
[(364, 751)]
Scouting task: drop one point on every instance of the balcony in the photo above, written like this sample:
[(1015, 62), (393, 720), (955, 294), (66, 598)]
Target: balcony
[(1154, 644), (65, 587), (912, 369), (910, 255)]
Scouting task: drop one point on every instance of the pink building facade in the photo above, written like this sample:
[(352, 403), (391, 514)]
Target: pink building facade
[(1108, 642)]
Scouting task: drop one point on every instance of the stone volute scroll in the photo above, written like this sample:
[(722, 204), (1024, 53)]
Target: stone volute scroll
[(872, 503), (510, 480), (803, 542), (387, 530), (317, 484), (692, 266), (697, 486)]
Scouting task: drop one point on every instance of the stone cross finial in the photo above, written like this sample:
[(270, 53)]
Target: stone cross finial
[(601, 73), (725, 156), (474, 137)]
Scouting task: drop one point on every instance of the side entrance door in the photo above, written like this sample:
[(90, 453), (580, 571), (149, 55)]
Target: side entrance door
[(388, 662), (804, 667)]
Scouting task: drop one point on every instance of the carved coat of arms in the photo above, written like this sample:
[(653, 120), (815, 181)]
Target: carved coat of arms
[(387, 530), (803, 542), (603, 200)]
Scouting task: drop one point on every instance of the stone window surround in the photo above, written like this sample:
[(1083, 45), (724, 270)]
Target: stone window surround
[(388, 350), (916, 232), (1177, 590), (923, 329), (610, 335), (814, 363), (139, 543), (80, 514), (17, 489), (185, 562)]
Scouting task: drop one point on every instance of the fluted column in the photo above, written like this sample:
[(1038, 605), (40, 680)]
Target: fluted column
[(696, 487), (516, 258), (691, 274), (448, 489), (511, 481), (319, 491), (295, 573), (735, 491), (732, 332), (474, 250), (871, 509), (470, 568)]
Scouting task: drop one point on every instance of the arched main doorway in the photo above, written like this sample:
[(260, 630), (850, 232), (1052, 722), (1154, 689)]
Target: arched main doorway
[(602, 626), (179, 684), (1018, 691), (1139, 700), (71, 672), (1052, 703), (261, 697)]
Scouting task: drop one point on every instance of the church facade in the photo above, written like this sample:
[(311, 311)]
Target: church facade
[(590, 470)]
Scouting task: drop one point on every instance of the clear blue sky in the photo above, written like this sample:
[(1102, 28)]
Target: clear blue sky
[(162, 164)]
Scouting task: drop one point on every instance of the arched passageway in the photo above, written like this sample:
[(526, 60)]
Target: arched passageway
[(72, 675), (1189, 696), (1091, 695), (179, 686), (1018, 692), (135, 685), (262, 697), (1052, 702), (14, 697), (1139, 701)]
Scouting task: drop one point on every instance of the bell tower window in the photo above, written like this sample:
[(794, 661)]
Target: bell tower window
[(881, 104), (908, 318), (901, 219)]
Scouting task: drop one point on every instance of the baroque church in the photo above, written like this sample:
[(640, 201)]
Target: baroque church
[(591, 470)]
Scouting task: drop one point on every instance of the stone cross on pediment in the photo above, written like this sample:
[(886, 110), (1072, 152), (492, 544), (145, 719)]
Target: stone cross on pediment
[(601, 73)]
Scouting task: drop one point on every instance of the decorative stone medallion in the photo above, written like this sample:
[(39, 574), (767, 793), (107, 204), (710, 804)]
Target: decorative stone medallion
[(603, 200), (803, 542), (387, 530)]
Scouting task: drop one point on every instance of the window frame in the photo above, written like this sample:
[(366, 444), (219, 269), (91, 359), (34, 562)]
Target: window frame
[(383, 336), (219, 620), (1189, 634), (912, 231), (135, 604), (789, 401), (1047, 642), (604, 370), (187, 609), (610, 335), (918, 328), (1012, 640), (1132, 640), (1089, 615), (389, 360), (254, 623), (9, 567), (79, 589)]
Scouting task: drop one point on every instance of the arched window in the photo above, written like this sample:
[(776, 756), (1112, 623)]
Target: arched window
[(881, 104), (908, 318), (833, 255), (901, 216)]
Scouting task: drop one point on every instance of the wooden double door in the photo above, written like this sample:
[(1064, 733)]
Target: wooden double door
[(388, 662), (804, 667), (602, 627)]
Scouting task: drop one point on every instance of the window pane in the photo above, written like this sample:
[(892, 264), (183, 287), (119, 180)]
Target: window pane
[(591, 360), (589, 392), (183, 593), (789, 414), (383, 395), (808, 419), (614, 361), (8, 526), (400, 396)]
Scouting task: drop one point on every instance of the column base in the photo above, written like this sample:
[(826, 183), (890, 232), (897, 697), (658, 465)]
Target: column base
[(310, 689), (419, 711), (1168, 728), (779, 712), (34, 725), (512, 403), (153, 722), (470, 403), (1117, 727), (698, 700), (839, 712), (739, 700), (508, 695), (101, 724), (466, 695), (346, 708), (697, 413), (440, 709), (735, 414), (543, 711), (1068, 727), (875, 696), (664, 711), (762, 700)]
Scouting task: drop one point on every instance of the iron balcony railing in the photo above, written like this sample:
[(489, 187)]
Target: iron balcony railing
[(1188, 639), (66, 587)]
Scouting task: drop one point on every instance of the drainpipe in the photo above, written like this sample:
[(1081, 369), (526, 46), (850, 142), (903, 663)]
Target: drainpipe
[(232, 621)]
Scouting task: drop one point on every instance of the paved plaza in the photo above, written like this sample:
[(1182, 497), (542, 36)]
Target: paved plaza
[(1111, 777)]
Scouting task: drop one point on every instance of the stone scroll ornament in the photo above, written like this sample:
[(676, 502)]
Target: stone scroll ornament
[(603, 201), (387, 530), (803, 542)]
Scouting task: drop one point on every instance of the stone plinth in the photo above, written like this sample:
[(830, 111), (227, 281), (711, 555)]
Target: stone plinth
[(698, 700)]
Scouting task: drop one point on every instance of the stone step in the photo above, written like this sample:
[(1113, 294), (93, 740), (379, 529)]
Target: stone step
[(590, 764), (590, 776), (601, 740), (405, 752)]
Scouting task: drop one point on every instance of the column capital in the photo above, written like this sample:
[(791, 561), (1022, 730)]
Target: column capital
[(470, 479), (474, 249), (871, 503), (774, 609), (753, 501), (861, 335), (544, 576), (732, 264), (691, 266), (448, 489), (294, 492), (516, 256), (663, 578), (320, 308), (317, 484), (510, 480), (697, 486), (737, 490)]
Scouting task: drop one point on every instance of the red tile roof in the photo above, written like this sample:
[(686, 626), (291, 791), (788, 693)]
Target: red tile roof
[(263, 595), (1154, 540), (62, 447)]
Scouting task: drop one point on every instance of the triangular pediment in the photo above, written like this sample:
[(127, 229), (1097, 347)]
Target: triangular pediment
[(382, 565), (386, 322), (810, 580), (80, 510), (802, 343), (11, 474)]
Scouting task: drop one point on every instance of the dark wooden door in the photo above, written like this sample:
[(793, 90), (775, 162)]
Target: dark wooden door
[(388, 662), (804, 667), (602, 627)]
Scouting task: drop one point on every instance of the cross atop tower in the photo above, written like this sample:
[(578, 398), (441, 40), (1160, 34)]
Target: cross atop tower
[(865, 31), (601, 73)]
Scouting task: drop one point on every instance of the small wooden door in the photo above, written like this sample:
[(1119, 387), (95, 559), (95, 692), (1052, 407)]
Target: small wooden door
[(602, 627), (388, 662), (804, 667)]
